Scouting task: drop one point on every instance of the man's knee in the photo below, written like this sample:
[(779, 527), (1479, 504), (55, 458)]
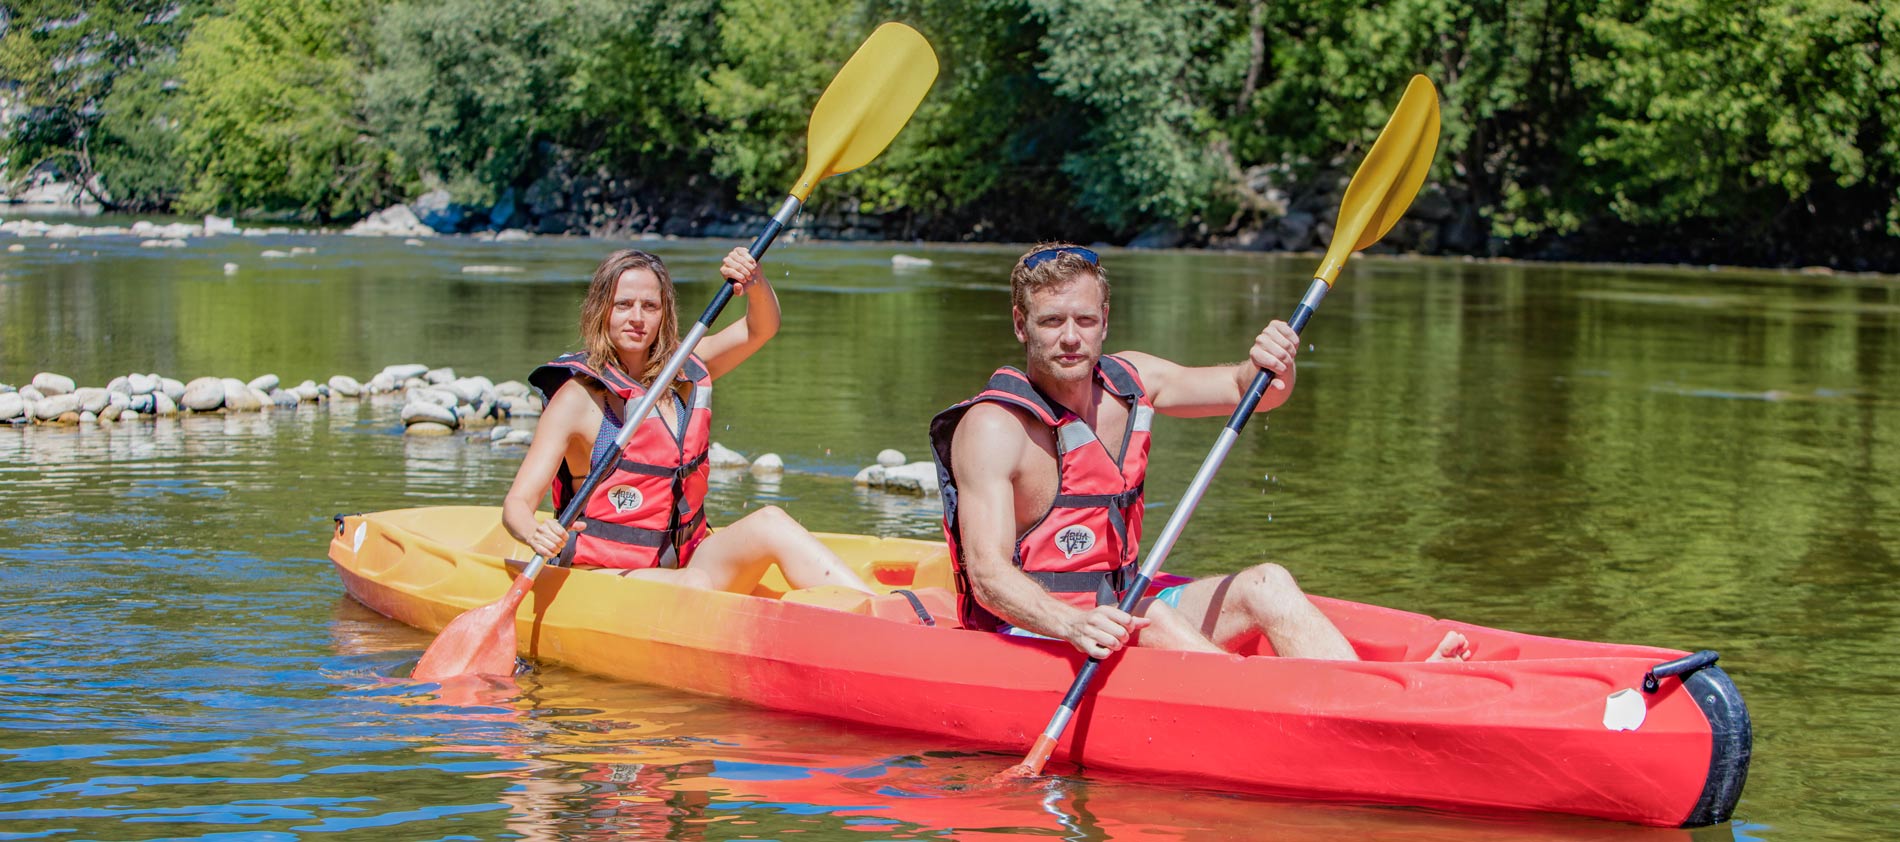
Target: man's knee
[(1269, 587)]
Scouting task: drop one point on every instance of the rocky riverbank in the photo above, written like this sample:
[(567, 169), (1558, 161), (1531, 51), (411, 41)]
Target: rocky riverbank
[(433, 402)]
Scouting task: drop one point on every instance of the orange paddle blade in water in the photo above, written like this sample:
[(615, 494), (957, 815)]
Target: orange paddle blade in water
[(480, 642)]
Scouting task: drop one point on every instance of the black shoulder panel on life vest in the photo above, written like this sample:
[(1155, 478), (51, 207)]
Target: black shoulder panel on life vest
[(1120, 376)]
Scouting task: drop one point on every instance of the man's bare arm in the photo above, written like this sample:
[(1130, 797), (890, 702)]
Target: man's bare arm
[(986, 454), (1201, 391)]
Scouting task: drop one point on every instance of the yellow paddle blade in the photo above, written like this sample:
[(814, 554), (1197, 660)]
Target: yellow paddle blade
[(1388, 179), (871, 99)]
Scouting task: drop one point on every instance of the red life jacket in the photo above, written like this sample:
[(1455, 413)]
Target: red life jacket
[(1084, 547), (651, 505)]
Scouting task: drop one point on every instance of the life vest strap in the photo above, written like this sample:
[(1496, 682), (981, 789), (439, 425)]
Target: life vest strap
[(1099, 501), (645, 469), (1083, 581)]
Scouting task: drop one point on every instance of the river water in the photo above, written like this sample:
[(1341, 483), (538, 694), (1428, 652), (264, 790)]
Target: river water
[(1679, 457)]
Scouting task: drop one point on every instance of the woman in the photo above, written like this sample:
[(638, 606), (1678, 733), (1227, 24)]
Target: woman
[(646, 518)]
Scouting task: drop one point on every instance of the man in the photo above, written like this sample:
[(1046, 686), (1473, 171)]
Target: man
[(1042, 479)]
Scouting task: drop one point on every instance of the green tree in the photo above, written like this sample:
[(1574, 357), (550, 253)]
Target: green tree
[(64, 57), (464, 88), (1739, 111), (139, 124), (1143, 71), (274, 94)]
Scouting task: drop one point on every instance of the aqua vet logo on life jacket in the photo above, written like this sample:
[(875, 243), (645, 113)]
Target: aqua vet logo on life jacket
[(650, 505), (1086, 542), (1074, 539)]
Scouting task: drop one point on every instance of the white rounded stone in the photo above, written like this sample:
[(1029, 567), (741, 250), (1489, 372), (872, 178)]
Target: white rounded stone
[(404, 371), (720, 456), (916, 477), (768, 464), (266, 384), (203, 394), (142, 384), (165, 407), (428, 428), (172, 389), (346, 386), (120, 385), (92, 399), (416, 412), (53, 407), (439, 376), (239, 397), (51, 384), (12, 406), (890, 458)]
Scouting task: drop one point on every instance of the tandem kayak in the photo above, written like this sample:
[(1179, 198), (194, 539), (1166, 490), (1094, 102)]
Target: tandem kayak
[(1629, 733)]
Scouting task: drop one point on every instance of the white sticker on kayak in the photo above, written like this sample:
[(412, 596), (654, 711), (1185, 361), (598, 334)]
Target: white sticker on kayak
[(362, 529), (625, 498), (1624, 711), (1075, 539)]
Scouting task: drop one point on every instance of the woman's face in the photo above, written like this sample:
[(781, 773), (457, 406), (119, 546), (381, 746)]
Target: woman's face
[(635, 315)]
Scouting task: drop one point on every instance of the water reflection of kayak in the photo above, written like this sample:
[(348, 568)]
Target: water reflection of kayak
[(1530, 723)]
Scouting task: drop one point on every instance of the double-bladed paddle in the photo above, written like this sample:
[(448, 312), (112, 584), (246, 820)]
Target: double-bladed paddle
[(867, 103), (1379, 194)]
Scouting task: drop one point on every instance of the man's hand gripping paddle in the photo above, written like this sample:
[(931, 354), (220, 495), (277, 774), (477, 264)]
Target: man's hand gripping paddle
[(863, 109), (1380, 192)]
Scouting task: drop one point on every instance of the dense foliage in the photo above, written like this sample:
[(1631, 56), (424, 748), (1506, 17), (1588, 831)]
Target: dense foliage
[(1765, 131)]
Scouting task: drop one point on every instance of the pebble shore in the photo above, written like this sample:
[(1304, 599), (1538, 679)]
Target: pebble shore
[(435, 402)]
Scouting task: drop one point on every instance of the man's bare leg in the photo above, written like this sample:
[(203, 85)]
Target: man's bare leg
[(1263, 599), (1168, 629)]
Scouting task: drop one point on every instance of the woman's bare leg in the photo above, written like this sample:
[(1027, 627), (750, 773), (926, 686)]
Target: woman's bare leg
[(736, 557)]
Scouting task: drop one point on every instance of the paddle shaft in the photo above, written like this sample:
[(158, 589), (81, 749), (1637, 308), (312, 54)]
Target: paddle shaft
[(1157, 554), (598, 471)]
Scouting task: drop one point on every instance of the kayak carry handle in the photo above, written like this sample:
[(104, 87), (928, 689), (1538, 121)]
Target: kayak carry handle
[(1680, 666)]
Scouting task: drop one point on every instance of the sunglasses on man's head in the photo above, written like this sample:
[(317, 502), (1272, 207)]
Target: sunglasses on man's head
[(1046, 255)]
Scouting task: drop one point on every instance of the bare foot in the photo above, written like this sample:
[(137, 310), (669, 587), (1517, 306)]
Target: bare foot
[(1453, 648)]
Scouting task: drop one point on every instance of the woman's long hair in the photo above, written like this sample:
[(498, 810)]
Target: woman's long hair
[(597, 308)]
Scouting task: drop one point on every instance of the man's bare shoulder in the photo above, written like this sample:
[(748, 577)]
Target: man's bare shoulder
[(993, 424)]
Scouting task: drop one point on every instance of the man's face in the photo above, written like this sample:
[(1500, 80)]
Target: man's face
[(1064, 329)]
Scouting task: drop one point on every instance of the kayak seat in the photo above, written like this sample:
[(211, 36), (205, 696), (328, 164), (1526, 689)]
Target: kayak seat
[(939, 604)]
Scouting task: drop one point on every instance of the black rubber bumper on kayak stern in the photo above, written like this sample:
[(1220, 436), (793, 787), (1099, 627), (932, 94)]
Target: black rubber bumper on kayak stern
[(1732, 743)]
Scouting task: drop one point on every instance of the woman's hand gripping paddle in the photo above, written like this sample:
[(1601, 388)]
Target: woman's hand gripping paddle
[(859, 114), (1380, 192)]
